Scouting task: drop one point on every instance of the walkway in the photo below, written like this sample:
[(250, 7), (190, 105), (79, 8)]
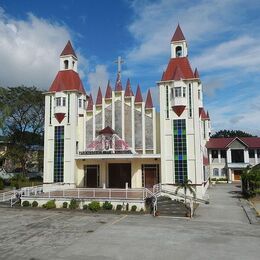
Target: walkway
[(224, 205)]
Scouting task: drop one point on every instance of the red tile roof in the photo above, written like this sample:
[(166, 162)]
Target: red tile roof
[(108, 91), (99, 97), (68, 50), (138, 95), (118, 86), (178, 35), (107, 130), (178, 68), (128, 89), (223, 143), (67, 80), (149, 101), (90, 103)]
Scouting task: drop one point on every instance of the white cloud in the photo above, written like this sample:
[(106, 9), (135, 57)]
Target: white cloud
[(30, 49), (98, 78)]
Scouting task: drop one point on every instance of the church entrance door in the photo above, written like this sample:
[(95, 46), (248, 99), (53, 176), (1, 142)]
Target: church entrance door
[(151, 175), (119, 174), (91, 179)]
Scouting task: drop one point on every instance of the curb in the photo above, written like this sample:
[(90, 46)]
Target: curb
[(250, 212)]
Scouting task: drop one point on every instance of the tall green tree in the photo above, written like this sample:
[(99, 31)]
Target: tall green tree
[(231, 133), (21, 121)]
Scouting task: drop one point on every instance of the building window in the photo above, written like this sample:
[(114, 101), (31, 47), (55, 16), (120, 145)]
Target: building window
[(258, 153), (178, 51), (167, 102), (80, 103), (64, 101), (199, 94), (214, 154), (237, 156), (177, 91), (184, 91), (190, 101), (251, 153), (215, 172), (68, 108), (223, 153), (84, 104), (50, 109), (58, 153), (204, 129), (150, 175), (224, 172), (58, 101), (66, 64), (180, 150)]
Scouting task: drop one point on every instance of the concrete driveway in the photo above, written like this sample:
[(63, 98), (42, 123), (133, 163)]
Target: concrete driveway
[(219, 231), (224, 205)]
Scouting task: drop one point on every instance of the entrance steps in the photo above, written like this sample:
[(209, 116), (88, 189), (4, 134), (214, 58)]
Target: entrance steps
[(168, 207)]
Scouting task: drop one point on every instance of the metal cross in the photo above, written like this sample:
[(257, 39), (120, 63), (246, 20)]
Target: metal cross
[(119, 61)]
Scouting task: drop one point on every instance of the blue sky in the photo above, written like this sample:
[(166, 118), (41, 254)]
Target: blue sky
[(223, 38)]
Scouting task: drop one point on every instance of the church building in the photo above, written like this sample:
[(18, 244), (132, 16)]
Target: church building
[(119, 140)]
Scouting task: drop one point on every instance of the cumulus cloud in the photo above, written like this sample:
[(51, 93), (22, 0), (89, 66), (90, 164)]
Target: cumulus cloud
[(98, 78), (30, 49)]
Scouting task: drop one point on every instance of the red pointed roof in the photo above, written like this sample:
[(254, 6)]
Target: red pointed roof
[(90, 103), (128, 89), (99, 97), (108, 91), (196, 74), (138, 95), (203, 114), (118, 86), (68, 50), (181, 67), (162, 75), (149, 101), (178, 35), (67, 80)]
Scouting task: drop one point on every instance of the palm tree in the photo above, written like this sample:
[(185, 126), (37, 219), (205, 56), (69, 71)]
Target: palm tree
[(186, 186)]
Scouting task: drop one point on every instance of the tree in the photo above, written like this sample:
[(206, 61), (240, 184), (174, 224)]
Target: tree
[(186, 186), (231, 133), (21, 121)]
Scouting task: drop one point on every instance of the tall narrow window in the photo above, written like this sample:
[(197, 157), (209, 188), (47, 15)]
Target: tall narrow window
[(80, 103), (204, 129), (58, 153), (68, 109), (178, 51), (50, 108), (180, 150), (190, 101), (66, 64), (64, 101), (199, 94), (184, 91), (58, 101), (167, 102)]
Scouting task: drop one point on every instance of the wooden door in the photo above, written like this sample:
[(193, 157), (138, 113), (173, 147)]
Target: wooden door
[(151, 177)]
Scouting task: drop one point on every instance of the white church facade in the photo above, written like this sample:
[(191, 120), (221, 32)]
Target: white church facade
[(119, 140)]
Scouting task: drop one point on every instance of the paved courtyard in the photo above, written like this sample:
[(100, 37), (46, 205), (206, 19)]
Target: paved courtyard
[(219, 231)]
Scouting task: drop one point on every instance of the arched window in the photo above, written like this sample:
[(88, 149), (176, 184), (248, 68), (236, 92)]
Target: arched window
[(66, 64), (178, 51), (73, 63), (215, 172)]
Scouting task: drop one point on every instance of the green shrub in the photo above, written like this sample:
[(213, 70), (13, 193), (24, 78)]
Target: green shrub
[(119, 207), (94, 206), (65, 205), (107, 205), (73, 204), (51, 204), (26, 203), (1, 184), (34, 204), (85, 207), (133, 208), (141, 210), (44, 206)]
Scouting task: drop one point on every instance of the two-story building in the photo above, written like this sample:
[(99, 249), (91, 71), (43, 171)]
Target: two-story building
[(228, 157)]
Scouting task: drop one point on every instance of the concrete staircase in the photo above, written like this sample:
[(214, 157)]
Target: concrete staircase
[(168, 207)]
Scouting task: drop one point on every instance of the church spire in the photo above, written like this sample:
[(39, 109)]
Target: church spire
[(68, 58), (149, 101), (179, 46), (68, 50)]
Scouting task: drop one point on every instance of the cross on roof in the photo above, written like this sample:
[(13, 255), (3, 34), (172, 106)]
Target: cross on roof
[(119, 61)]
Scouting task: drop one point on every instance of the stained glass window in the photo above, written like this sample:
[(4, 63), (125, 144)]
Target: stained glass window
[(58, 153), (180, 150)]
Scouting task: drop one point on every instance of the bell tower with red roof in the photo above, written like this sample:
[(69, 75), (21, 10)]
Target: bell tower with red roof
[(68, 58), (179, 46)]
